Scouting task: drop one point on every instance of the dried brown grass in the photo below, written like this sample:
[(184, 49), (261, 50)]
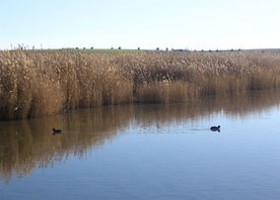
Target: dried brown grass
[(37, 83)]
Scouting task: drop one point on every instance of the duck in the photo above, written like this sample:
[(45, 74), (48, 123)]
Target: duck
[(56, 131), (215, 128)]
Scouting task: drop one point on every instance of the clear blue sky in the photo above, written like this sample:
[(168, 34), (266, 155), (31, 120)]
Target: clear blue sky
[(192, 24)]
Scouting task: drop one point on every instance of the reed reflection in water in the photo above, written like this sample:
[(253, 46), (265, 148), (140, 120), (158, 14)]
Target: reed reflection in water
[(27, 145)]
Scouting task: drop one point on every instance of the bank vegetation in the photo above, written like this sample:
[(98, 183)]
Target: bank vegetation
[(38, 82)]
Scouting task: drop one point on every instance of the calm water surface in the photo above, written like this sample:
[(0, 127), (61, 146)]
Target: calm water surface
[(147, 152)]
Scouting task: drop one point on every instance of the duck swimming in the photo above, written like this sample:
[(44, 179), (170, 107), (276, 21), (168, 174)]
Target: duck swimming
[(215, 128), (56, 131)]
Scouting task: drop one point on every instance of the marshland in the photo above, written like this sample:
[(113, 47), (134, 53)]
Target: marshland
[(139, 100), (136, 124), (35, 83)]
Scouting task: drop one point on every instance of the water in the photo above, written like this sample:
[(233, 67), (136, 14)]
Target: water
[(147, 152)]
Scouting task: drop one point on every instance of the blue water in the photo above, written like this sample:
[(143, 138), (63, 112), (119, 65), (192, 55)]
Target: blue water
[(160, 155)]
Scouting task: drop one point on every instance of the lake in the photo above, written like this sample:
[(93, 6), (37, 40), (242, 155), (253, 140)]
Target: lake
[(147, 152)]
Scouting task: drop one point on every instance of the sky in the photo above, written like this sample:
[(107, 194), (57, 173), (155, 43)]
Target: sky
[(148, 24)]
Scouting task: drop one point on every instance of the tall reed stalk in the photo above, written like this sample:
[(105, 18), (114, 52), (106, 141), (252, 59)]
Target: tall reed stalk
[(36, 83)]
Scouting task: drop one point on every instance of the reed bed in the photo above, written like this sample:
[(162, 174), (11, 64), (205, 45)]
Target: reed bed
[(36, 82)]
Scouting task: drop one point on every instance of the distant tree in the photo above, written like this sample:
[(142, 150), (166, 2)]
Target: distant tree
[(119, 48), (77, 48), (91, 48), (138, 48), (20, 47), (157, 48), (166, 49)]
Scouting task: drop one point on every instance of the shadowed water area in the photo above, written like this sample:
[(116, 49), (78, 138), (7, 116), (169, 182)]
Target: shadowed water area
[(147, 152)]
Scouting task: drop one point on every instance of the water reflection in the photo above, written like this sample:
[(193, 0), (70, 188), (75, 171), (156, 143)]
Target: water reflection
[(29, 144), (237, 106)]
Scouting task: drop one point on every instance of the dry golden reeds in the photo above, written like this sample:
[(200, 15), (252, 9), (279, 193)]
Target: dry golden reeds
[(35, 83)]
